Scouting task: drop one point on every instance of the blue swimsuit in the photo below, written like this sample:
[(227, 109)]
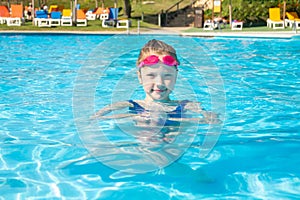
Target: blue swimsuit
[(177, 113)]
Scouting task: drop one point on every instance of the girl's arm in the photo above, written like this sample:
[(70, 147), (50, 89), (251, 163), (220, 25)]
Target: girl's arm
[(101, 114), (208, 116)]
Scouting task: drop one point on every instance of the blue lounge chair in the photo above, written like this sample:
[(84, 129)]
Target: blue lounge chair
[(41, 19), (55, 18), (113, 13)]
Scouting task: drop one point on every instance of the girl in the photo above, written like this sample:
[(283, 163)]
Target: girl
[(157, 69)]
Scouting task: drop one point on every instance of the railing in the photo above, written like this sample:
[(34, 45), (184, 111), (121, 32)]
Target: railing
[(163, 15)]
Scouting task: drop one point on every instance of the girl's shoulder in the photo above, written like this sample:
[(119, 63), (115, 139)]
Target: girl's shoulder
[(133, 103), (121, 104), (186, 103)]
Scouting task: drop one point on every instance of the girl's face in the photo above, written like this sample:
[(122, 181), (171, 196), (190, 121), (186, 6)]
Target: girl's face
[(158, 81)]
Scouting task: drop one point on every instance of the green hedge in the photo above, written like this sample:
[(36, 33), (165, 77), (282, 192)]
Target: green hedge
[(253, 11)]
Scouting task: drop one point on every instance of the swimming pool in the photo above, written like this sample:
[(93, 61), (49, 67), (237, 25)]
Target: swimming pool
[(44, 154)]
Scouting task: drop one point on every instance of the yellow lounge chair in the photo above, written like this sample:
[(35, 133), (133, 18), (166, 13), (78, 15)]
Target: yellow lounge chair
[(66, 19), (81, 18), (53, 8), (16, 16), (274, 19), (293, 20)]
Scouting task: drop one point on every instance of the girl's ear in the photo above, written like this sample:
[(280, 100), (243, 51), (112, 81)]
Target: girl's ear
[(139, 76)]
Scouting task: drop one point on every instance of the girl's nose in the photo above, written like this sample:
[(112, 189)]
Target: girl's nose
[(159, 80)]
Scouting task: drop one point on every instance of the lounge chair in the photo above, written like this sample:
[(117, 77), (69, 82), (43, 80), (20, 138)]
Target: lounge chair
[(123, 23), (274, 19), (95, 14), (66, 19), (55, 18), (90, 15), (41, 19), (113, 13), (81, 18), (4, 14), (53, 8), (237, 25), (293, 20), (110, 19), (16, 16), (105, 22), (209, 25)]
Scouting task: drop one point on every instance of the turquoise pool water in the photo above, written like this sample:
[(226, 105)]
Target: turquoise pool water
[(252, 83)]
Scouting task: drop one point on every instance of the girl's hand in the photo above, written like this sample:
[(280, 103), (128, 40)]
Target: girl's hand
[(156, 119), (211, 117)]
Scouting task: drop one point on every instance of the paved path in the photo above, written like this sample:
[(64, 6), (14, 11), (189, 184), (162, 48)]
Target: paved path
[(216, 33), (181, 31)]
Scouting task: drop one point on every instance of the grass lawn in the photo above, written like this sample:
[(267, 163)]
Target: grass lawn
[(92, 26), (95, 25), (137, 9)]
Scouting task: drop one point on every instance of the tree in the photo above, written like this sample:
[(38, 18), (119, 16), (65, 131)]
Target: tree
[(127, 8)]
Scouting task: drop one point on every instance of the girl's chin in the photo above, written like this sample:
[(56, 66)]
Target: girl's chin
[(157, 97)]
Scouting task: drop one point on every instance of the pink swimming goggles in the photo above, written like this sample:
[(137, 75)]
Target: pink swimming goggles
[(153, 59)]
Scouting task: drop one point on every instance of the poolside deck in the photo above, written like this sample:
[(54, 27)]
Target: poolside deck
[(217, 33), (176, 31)]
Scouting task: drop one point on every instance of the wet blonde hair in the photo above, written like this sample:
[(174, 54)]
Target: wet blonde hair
[(156, 47)]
